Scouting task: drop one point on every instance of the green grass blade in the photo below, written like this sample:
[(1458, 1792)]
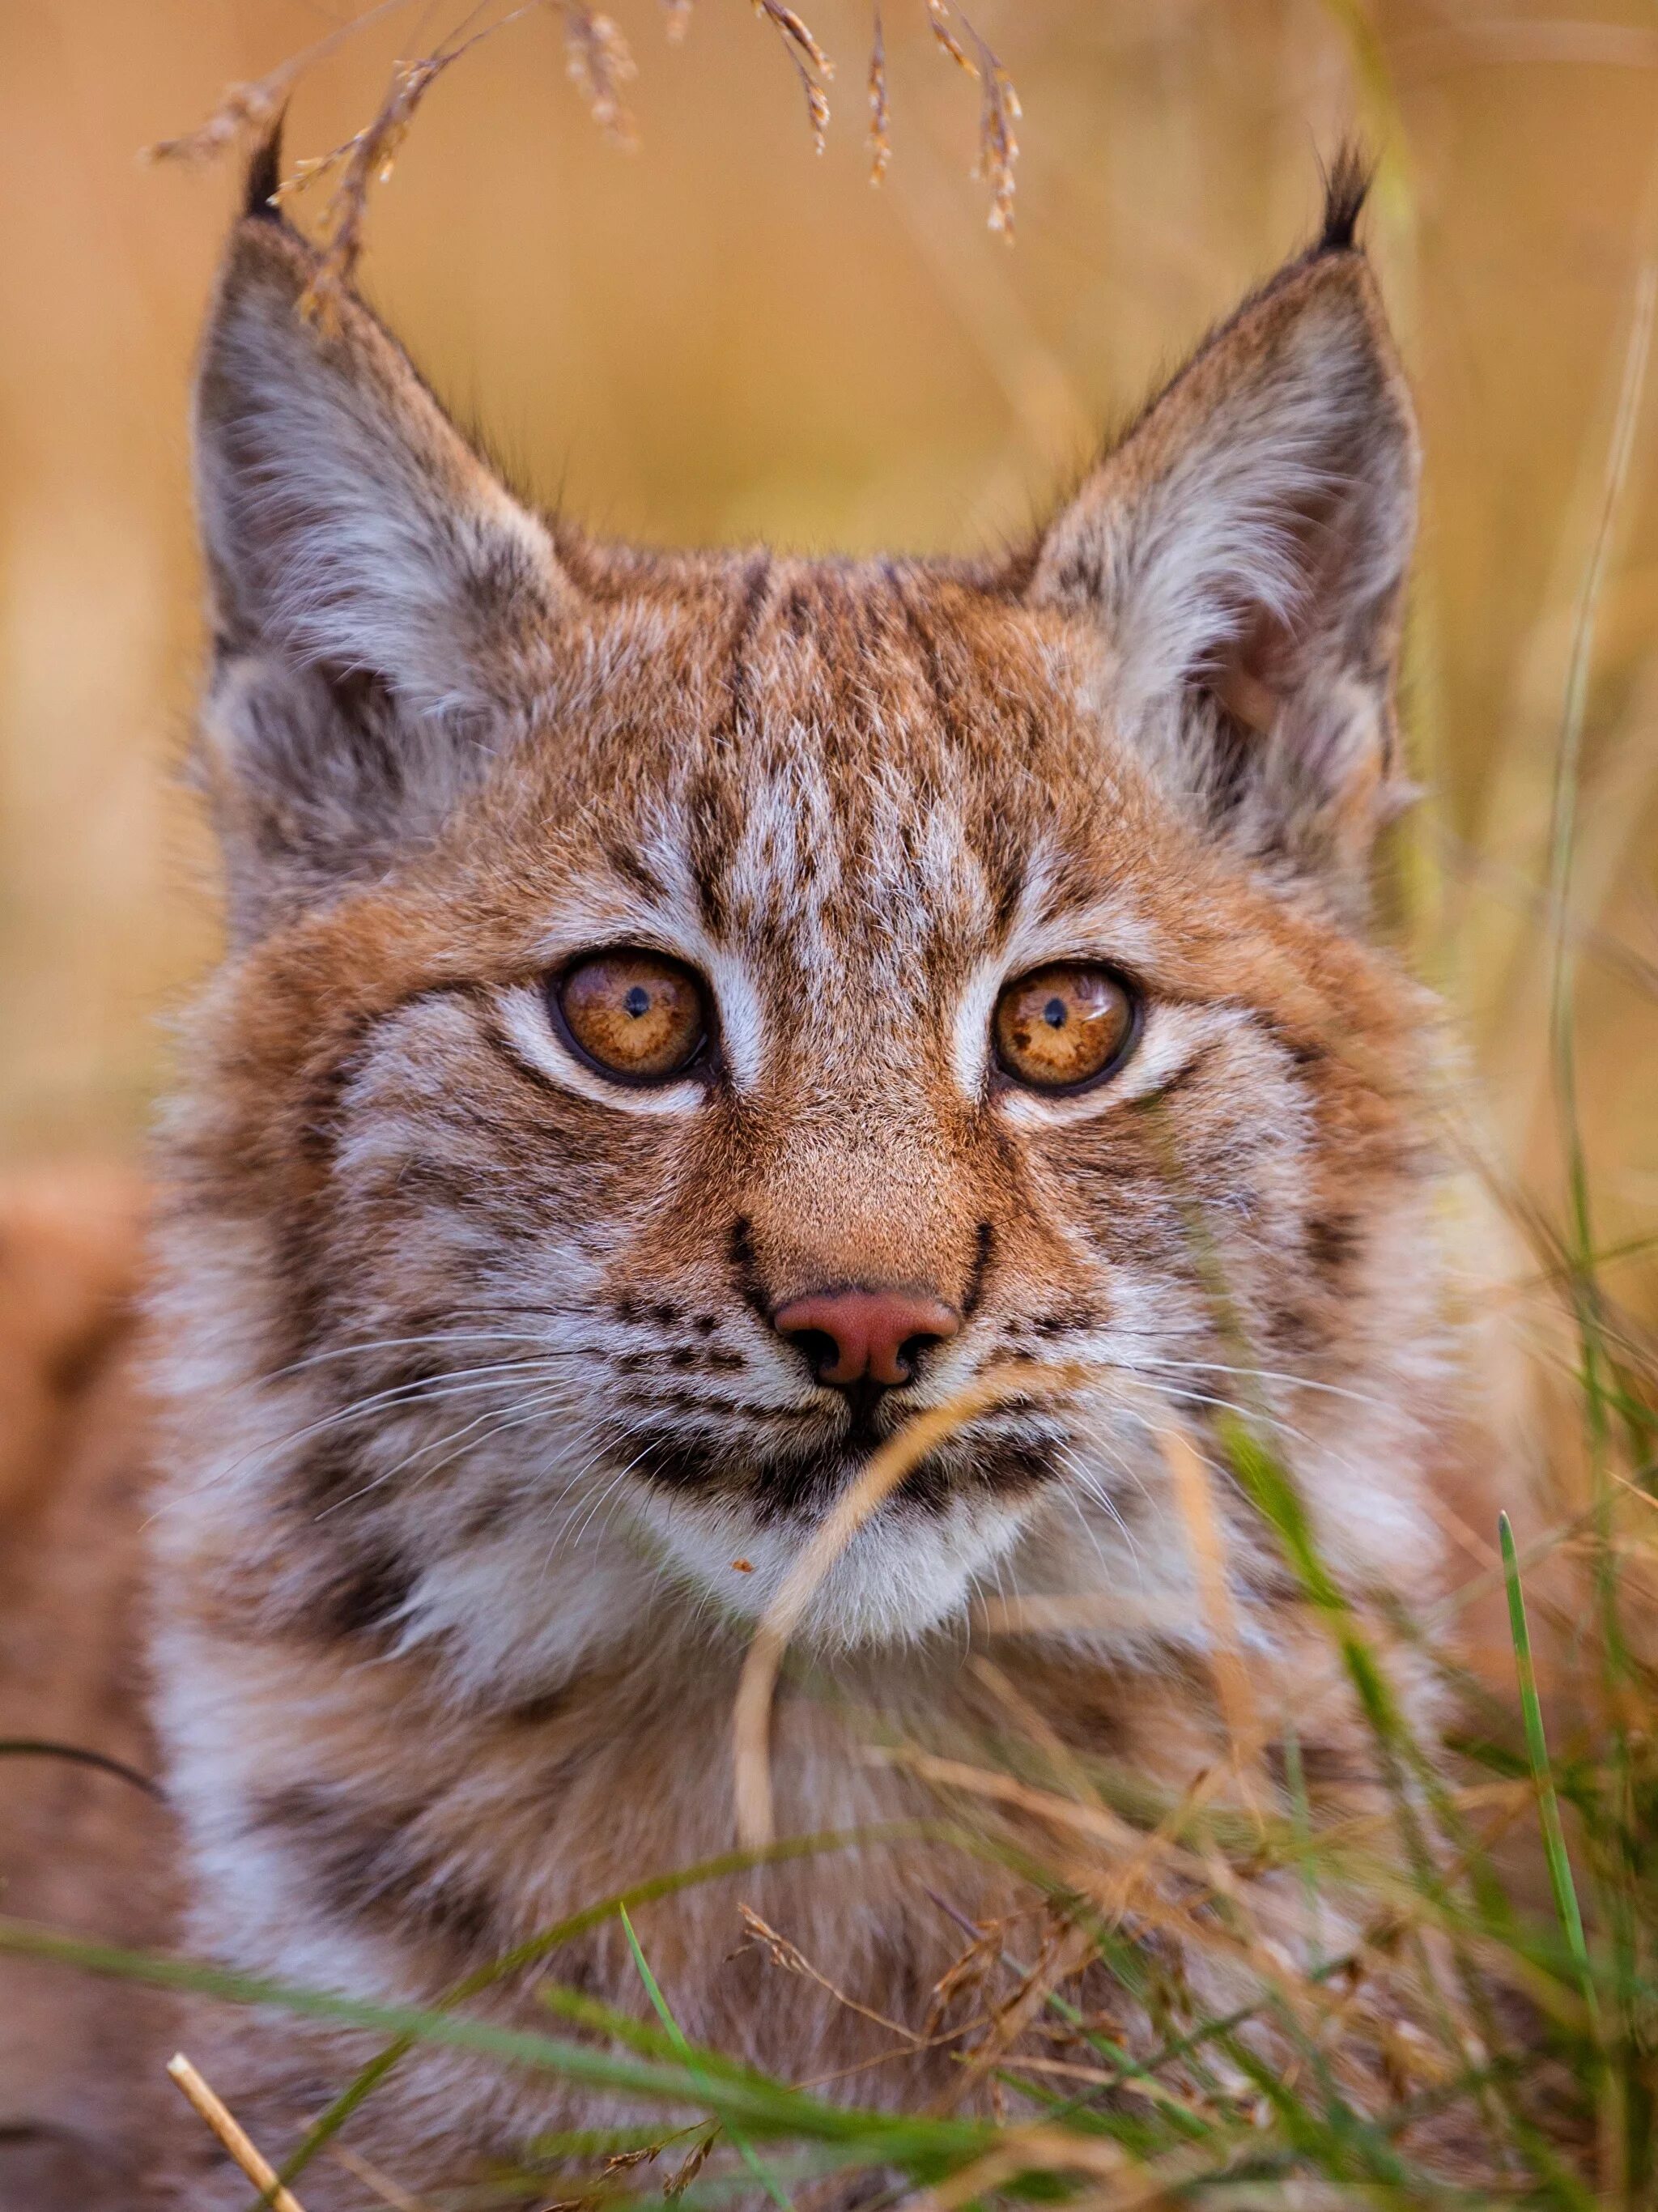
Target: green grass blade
[(536, 1948), (765, 2107), (745, 2149), (1548, 1803), (1301, 1814)]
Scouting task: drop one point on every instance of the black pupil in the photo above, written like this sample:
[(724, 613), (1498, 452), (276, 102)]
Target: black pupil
[(638, 1001), (1054, 1013)]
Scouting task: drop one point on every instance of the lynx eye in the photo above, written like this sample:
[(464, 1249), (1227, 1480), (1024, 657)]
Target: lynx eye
[(1064, 1026), (639, 1017)]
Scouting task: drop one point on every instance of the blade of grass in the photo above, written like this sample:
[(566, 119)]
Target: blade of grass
[(1554, 1839), (34, 1747), (536, 1947), (767, 2106), (1568, 759), (1622, 2087), (745, 2149), (1301, 1816), (238, 2144)]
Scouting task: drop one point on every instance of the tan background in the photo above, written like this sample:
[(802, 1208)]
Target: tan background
[(721, 335)]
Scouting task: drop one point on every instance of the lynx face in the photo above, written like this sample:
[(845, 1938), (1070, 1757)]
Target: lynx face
[(690, 1013)]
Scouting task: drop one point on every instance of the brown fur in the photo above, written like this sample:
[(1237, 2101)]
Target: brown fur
[(471, 1400), (81, 1848)]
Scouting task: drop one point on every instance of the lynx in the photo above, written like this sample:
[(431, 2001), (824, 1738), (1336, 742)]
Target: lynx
[(684, 1015)]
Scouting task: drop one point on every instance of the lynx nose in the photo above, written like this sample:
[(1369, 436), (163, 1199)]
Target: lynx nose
[(865, 1336)]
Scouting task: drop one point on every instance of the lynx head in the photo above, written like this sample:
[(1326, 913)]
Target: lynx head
[(686, 1013)]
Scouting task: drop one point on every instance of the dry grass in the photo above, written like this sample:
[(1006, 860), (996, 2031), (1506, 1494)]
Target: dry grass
[(722, 337), (1205, 1998), (599, 63)]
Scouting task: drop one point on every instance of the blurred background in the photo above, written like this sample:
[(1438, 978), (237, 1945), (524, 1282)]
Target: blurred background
[(720, 336)]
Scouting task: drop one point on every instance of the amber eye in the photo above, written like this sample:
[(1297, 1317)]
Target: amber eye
[(1062, 1027), (637, 1016)]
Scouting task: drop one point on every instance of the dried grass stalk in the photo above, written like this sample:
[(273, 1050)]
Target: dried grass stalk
[(880, 113), (598, 64), (364, 160), (938, 15), (239, 2144), (793, 1960), (1233, 1687), (998, 109), (247, 113), (811, 64), (886, 1469)]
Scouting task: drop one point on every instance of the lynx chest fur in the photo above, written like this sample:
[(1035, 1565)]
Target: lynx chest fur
[(684, 1017)]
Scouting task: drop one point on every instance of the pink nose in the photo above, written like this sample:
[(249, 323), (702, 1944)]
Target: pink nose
[(857, 1336)]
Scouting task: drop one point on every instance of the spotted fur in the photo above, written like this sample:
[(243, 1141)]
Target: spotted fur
[(483, 1455)]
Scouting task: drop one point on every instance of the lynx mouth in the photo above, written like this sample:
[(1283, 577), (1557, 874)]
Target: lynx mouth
[(801, 1481)]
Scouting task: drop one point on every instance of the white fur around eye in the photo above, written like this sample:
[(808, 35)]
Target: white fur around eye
[(1170, 1039), (737, 1010), (610, 916), (1111, 931), (970, 1040), (528, 1027)]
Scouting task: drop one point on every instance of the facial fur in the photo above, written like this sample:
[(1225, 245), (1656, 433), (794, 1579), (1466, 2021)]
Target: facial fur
[(475, 1371)]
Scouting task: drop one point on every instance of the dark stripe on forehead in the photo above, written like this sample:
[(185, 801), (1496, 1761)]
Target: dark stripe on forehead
[(966, 718), (738, 709), (631, 868), (927, 647), (713, 821)]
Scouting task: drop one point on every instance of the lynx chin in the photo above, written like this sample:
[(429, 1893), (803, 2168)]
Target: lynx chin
[(684, 1015)]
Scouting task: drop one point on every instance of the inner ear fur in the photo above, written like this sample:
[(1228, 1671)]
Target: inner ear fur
[(1242, 552), (385, 610)]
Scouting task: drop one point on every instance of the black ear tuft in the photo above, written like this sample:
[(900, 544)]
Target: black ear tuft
[(1345, 190), (265, 176)]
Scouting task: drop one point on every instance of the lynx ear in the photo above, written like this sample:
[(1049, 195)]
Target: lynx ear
[(383, 606), (1244, 549)]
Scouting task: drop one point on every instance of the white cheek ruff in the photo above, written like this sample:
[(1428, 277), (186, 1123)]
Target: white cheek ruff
[(527, 1026)]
